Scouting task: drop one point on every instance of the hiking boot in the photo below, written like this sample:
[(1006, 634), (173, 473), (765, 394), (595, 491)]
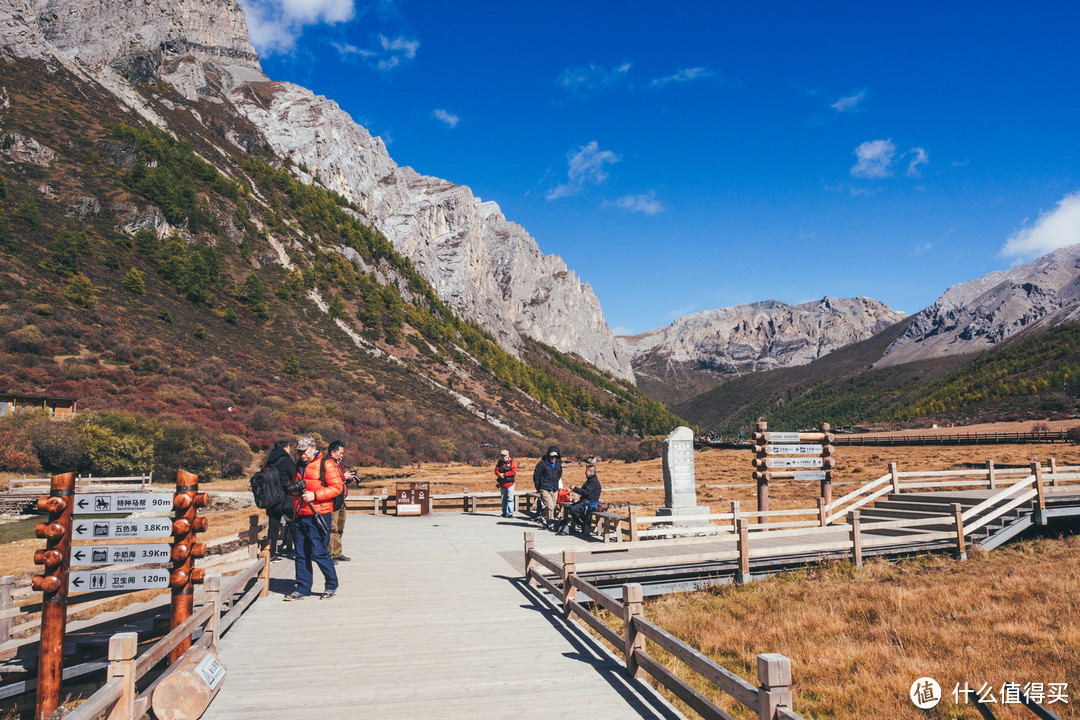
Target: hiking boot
[(342, 558), (327, 594), (294, 595)]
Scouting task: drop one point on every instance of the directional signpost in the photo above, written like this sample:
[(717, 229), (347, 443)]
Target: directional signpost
[(60, 554), (810, 450)]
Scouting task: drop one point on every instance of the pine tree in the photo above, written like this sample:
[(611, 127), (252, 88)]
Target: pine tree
[(133, 282)]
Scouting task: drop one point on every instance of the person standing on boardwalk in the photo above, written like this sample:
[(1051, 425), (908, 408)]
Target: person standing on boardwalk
[(336, 450), (280, 460), (505, 474), (547, 477), (313, 506)]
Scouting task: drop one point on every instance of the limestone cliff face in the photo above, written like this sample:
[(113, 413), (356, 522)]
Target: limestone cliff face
[(485, 267), (757, 336), (976, 315)]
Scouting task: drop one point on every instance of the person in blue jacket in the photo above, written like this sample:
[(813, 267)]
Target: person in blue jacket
[(547, 477)]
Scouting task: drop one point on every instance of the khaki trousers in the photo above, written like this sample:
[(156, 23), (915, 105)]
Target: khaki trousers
[(337, 526), (549, 500)]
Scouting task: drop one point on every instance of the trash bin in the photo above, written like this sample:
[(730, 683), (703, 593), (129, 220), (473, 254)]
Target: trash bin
[(413, 498)]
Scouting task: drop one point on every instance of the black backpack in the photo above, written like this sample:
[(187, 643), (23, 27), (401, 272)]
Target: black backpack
[(339, 499), (267, 490)]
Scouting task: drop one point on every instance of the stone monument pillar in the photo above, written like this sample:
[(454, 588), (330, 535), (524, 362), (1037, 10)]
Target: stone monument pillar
[(680, 485)]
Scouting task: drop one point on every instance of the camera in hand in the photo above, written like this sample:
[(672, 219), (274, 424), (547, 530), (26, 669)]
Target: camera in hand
[(296, 487)]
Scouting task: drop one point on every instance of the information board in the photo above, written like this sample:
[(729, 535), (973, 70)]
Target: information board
[(793, 449), (122, 528), (119, 554)]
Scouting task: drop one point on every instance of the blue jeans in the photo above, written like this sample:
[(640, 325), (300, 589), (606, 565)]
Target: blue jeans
[(313, 544), (508, 500)]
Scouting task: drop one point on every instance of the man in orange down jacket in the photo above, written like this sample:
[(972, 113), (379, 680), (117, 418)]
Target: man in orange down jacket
[(313, 506)]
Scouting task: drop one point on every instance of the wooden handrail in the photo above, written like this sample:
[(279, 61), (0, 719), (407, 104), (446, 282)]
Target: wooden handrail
[(98, 703), (855, 493), (159, 650)]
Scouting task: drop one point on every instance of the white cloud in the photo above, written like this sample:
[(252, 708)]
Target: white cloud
[(684, 76), (874, 159), (586, 167), (275, 25), (852, 103), (620, 330), (1053, 230), (592, 77), (925, 247), (346, 49), (645, 203), (918, 157), (448, 118)]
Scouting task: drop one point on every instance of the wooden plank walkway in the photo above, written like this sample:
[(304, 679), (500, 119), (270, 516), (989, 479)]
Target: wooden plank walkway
[(432, 620)]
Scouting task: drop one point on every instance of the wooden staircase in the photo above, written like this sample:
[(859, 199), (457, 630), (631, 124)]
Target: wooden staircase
[(936, 505)]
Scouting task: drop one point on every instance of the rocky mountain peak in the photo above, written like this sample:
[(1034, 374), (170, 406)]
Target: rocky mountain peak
[(975, 315)]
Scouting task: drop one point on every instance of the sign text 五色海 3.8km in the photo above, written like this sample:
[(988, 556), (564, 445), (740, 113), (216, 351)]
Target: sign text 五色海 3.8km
[(121, 528)]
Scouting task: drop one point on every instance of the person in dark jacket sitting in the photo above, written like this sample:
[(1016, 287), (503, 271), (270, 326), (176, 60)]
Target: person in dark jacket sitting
[(280, 460), (547, 477), (588, 499)]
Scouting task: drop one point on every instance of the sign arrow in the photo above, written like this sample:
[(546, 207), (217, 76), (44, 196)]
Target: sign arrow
[(80, 555), (82, 503), (77, 582), (80, 529)]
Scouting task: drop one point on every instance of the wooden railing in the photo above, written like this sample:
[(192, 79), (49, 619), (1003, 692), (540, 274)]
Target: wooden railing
[(36, 484), (578, 598), (1034, 436)]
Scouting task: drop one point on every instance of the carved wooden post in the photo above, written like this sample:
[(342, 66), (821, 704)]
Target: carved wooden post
[(744, 552), (7, 586), (54, 585), (633, 524), (827, 450), (634, 601), (763, 476), (856, 540), (958, 523), (895, 478), (735, 516), (569, 569), (991, 476), (184, 574), (530, 562), (122, 649), (213, 599), (774, 674), (1036, 470)]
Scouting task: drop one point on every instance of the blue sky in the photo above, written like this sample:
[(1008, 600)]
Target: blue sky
[(692, 155)]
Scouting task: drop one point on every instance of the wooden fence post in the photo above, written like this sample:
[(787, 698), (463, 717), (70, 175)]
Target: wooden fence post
[(530, 562), (895, 477), (465, 500), (213, 599), (991, 476), (958, 522), (474, 504), (264, 553), (7, 586), (735, 516), (633, 524), (1040, 515), (253, 536), (822, 515), (1053, 472), (122, 649), (634, 602), (569, 592), (856, 540), (774, 674), (744, 552)]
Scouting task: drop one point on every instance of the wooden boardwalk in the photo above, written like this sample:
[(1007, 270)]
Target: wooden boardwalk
[(432, 620)]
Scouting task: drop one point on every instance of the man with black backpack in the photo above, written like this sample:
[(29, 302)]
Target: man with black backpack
[(336, 451), (270, 487)]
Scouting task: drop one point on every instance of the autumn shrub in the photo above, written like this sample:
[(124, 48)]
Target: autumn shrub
[(16, 453), (116, 443), (133, 282), (58, 446), (181, 447), (231, 454), (28, 339), (650, 447)]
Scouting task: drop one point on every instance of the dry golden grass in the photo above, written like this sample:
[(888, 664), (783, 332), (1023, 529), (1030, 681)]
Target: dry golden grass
[(858, 638)]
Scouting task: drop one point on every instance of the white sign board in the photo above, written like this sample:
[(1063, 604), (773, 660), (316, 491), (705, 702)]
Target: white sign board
[(793, 462), (117, 580), (793, 449), (810, 475), (105, 503), (211, 671), (783, 437), (408, 509), (119, 554), (121, 528)]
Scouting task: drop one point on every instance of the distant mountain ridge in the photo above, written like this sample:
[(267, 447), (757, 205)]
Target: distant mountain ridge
[(697, 352), (976, 315)]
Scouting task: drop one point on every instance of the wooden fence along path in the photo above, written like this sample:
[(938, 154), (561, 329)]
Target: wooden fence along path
[(937, 438)]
